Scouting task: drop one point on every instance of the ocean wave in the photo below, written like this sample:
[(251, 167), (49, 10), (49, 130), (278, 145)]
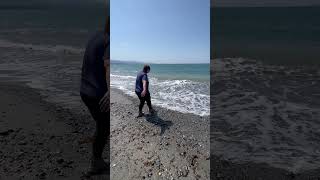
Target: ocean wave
[(54, 49), (185, 96), (265, 113)]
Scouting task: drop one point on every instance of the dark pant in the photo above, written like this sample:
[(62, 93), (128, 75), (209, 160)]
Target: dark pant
[(102, 125), (147, 98)]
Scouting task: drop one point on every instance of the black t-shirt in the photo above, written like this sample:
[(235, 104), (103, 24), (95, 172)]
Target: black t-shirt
[(139, 84), (93, 76)]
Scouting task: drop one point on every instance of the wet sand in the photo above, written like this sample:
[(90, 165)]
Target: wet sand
[(168, 145), (39, 140)]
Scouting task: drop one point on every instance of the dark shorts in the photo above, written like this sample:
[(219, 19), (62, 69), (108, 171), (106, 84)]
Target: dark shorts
[(145, 98), (94, 108)]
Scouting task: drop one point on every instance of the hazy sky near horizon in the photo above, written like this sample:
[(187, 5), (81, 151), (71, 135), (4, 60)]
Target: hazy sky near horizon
[(231, 3), (166, 31)]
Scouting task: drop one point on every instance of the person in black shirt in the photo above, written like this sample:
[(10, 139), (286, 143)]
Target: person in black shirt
[(142, 90), (94, 93)]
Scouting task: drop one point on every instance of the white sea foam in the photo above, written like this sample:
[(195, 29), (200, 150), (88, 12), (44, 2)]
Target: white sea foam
[(180, 95)]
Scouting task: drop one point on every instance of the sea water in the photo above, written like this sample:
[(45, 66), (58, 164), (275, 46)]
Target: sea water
[(180, 87)]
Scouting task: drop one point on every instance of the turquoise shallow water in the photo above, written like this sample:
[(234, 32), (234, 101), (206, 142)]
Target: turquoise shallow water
[(195, 72), (180, 87)]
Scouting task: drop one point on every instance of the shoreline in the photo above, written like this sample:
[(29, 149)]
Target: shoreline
[(35, 148), (135, 98), (167, 145), (139, 167), (179, 87)]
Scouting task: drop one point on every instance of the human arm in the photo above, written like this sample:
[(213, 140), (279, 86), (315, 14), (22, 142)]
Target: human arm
[(105, 100), (143, 93)]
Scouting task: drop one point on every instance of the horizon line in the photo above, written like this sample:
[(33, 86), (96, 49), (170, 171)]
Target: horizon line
[(157, 63)]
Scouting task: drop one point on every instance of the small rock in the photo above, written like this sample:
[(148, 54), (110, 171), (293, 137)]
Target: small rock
[(42, 175), (194, 161), (6, 133), (59, 161), (291, 175), (70, 162), (153, 134), (22, 143), (185, 171), (148, 163), (20, 153)]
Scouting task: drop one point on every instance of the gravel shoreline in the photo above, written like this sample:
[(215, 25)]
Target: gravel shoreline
[(40, 140), (168, 145)]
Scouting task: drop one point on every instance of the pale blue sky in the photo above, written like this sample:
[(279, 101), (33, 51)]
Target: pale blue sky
[(160, 31)]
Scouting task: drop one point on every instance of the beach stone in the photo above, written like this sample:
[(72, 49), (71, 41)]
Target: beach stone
[(61, 174), (42, 175), (7, 132), (21, 153), (22, 143), (291, 175), (60, 161), (185, 171)]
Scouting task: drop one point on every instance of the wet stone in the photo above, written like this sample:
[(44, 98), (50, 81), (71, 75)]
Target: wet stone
[(59, 161)]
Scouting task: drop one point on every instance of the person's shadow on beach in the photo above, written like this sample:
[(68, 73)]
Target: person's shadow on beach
[(156, 120)]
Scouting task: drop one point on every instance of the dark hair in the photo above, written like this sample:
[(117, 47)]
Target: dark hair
[(146, 67)]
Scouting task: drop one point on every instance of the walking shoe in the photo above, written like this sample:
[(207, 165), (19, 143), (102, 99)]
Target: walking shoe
[(141, 114), (152, 111), (98, 166)]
